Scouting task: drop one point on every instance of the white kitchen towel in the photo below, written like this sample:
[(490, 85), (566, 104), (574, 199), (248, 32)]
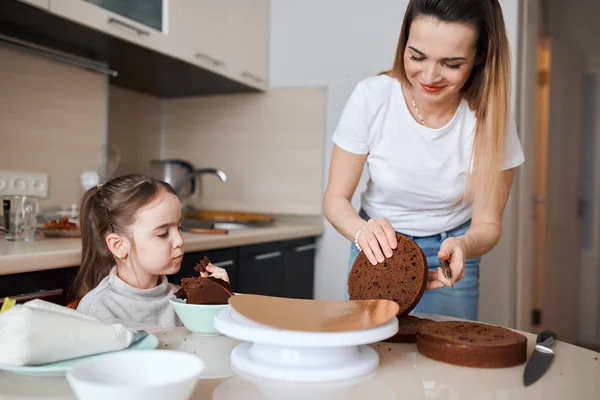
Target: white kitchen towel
[(39, 332)]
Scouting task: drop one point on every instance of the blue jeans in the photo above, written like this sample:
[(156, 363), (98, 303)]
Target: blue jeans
[(464, 301)]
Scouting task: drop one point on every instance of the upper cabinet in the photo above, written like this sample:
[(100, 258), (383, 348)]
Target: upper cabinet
[(143, 22), (167, 48), (249, 39), (230, 37), (45, 4)]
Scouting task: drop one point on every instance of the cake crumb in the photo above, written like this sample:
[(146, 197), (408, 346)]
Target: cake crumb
[(166, 345), (596, 358), (390, 349)]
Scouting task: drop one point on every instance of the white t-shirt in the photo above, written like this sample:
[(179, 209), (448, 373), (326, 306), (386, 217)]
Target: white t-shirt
[(416, 173)]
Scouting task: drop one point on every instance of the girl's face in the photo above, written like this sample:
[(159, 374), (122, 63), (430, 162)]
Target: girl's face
[(438, 58), (157, 243)]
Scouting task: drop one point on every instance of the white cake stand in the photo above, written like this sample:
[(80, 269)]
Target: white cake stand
[(301, 356)]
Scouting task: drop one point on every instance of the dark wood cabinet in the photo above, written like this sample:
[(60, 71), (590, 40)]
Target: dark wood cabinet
[(50, 285), (262, 269), (282, 269), (299, 268)]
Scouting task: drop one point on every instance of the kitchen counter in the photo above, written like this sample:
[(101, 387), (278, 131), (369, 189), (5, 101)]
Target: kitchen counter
[(45, 253), (403, 373)]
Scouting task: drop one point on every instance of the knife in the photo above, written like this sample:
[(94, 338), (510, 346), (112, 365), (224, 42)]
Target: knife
[(445, 266), (540, 360)]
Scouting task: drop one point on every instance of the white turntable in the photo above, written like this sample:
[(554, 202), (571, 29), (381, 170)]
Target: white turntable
[(304, 356)]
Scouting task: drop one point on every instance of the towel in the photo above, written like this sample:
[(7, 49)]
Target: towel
[(39, 332)]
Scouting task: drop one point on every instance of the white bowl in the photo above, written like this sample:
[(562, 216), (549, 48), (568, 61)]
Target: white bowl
[(137, 374)]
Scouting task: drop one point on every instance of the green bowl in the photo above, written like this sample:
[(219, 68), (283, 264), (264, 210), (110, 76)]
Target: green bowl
[(198, 318)]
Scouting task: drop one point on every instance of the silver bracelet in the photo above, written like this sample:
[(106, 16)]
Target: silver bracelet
[(356, 240)]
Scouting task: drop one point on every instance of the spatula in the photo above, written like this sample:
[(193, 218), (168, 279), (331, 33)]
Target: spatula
[(314, 315)]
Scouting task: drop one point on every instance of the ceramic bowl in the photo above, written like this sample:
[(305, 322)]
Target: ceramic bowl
[(137, 374), (198, 318)]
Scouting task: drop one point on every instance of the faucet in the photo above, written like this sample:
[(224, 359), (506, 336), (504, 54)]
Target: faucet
[(191, 175)]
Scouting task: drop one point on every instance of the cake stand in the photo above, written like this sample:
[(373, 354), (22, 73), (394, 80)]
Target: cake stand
[(301, 356)]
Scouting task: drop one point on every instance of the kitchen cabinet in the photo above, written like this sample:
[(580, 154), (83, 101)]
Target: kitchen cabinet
[(43, 4), (165, 48), (283, 269), (49, 285), (299, 268), (230, 37), (138, 21), (262, 270), (249, 40)]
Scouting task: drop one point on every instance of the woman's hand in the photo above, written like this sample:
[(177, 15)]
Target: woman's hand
[(377, 238), (215, 272), (453, 250)]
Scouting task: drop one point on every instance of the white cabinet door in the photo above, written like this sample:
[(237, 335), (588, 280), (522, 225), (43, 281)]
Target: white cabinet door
[(229, 37), (248, 23), (45, 4), (114, 23), (198, 33)]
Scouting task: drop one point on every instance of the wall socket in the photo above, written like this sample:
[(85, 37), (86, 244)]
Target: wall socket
[(23, 183)]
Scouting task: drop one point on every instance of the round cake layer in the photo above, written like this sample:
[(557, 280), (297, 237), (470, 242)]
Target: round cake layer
[(471, 344), (408, 326), (401, 278)]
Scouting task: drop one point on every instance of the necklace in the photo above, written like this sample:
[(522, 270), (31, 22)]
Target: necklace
[(421, 118)]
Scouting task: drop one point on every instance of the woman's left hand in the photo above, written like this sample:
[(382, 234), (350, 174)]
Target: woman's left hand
[(453, 249)]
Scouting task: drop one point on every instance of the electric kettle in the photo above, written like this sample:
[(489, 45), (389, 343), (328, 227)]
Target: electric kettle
[(181, 174)]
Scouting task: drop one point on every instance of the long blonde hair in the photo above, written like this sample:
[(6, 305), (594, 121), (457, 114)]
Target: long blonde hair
[(487, 90)]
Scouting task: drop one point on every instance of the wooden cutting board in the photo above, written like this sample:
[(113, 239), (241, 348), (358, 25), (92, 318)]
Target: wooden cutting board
[(229, 216), (314, 315)]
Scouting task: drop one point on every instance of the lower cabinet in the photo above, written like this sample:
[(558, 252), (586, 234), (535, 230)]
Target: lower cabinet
[(52, 285), (282, 269)]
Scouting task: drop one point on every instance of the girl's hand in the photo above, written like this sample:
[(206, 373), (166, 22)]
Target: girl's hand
[(215, 272), (377, 238), (453, 249)]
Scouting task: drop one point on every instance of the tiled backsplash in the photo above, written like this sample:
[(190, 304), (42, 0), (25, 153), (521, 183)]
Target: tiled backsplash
[(134, 128), (52, 120), (270, 146)]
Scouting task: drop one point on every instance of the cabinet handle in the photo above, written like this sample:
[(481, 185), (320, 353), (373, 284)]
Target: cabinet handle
[(306, 247), (266, 256), (136, 30), (223, 263), (212, 60), (36, 295), (250, 75)]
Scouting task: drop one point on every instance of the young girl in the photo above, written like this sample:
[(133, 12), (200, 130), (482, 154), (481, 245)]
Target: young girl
[(131, 238)]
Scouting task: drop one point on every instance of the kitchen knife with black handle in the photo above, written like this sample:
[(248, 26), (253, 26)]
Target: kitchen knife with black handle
[(540, 360)]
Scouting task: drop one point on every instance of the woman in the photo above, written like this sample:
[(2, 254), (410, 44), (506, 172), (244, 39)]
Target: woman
[(440, 147)]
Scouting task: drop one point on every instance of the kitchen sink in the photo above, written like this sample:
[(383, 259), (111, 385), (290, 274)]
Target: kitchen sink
[(207, 224)]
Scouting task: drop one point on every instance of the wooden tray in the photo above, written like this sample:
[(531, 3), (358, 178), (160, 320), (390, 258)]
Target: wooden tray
[(229, 216)]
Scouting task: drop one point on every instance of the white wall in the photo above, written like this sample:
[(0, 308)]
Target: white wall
[(336, 43)]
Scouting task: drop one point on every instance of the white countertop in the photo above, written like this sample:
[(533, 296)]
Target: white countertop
[(43, 253), (403, 373)]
